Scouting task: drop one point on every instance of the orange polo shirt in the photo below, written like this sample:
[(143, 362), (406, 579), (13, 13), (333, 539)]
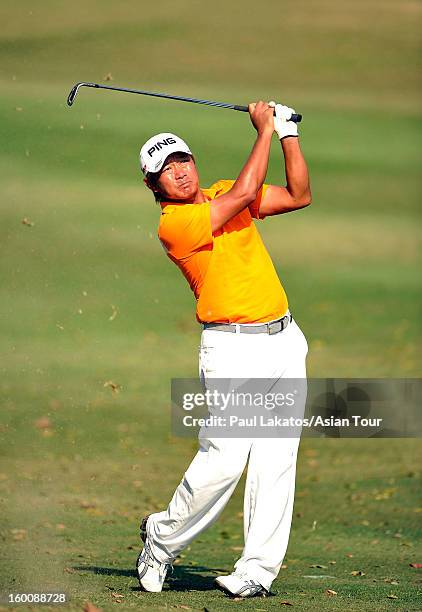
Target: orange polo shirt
[(230, 272)]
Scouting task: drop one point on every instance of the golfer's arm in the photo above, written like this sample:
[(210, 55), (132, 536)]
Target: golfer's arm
[(297, 193), (246, 186)]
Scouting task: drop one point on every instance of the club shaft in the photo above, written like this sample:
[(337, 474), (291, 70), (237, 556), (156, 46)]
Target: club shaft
[(72, 95)]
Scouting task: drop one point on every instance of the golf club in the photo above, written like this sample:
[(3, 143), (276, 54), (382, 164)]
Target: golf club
[(74, 92)]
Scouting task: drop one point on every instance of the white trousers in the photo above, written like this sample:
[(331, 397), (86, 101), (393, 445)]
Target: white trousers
[(218, 465)]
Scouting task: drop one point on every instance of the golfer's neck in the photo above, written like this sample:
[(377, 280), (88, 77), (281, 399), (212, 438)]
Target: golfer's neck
[(199, 198)]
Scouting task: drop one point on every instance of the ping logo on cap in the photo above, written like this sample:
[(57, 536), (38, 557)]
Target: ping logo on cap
[(157, 148), (159, 144)]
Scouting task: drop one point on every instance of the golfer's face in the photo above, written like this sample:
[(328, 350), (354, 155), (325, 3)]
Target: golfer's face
[(179, 179)]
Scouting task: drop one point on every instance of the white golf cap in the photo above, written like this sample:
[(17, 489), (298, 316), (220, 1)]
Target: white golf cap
[(155, 151)]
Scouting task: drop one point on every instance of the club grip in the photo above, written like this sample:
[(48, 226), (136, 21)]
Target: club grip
[(296, 117)]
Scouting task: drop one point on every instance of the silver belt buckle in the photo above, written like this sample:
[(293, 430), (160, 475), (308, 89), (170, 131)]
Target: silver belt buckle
[(275, 327)]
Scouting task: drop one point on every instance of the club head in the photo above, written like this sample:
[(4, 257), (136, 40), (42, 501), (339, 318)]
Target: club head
[(74, 91)]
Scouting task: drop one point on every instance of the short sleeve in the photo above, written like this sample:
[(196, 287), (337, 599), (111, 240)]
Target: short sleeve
[(185, 229), (254, 207)]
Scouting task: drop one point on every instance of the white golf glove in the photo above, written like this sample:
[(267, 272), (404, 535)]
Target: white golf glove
[(282, 125)]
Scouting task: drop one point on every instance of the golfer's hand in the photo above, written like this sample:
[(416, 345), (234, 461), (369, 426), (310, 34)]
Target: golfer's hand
[(262, 117), (282, 125)]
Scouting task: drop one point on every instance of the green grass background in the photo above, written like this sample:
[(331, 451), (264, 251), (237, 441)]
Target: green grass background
[(72, 490)]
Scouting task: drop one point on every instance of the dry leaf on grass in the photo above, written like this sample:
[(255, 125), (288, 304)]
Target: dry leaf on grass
[(330, 592), (113, 313), (357, 573), (108, 77), (19, 534), (318, 565), (42, 423), (385, 494), (115, 388), (94, 512), (391, 596), (286, 603), (89, 607), (27, 222), (87, 504)]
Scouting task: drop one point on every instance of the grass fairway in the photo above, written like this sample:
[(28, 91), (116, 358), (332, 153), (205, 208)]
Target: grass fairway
[(89, 298)]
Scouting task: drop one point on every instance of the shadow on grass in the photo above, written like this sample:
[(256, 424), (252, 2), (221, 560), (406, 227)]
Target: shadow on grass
[(105, 571), (183, 577), (189, 578)]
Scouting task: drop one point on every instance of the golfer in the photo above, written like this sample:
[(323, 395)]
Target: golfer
[(248, 332)]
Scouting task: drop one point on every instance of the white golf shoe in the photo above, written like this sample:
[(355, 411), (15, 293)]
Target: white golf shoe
[(151, 572), (239, 585)]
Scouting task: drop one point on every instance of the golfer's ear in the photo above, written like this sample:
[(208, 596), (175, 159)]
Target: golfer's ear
[(148, 184)]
